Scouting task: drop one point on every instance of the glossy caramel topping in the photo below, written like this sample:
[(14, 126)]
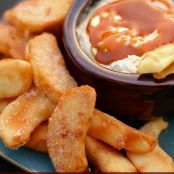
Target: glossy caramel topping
[(130, 27)]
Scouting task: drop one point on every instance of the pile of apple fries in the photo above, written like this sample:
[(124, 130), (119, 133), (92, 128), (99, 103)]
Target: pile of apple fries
[(43, 108)]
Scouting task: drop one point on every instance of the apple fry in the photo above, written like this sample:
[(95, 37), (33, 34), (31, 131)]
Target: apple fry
[(106, 158), (157, 160), (38, 138), (111, 131), (155, 127), (50, 73), (22, 116), (12, 42), (68, 128), (15, 77), (158, 60), (38, 15)]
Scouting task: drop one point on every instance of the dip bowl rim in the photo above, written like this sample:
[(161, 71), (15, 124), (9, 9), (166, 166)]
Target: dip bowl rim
[(82, 61)]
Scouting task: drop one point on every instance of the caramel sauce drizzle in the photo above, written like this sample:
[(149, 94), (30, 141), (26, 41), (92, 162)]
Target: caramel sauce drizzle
[(130, 27)]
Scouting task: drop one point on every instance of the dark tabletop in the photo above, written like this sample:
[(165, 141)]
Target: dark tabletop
[(7, 167)]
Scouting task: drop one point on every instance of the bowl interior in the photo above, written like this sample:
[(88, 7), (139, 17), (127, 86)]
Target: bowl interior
[(82, 58)]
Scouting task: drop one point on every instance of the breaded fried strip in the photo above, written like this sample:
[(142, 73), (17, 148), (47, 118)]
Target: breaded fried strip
[(155, 127), (38, 15), (12, 42), (50, 73), (15, 77), (157, 60), (21, 117), (111, 131), (4, 103), (38, 138), (106, 158), (157, 160), (68, 128)]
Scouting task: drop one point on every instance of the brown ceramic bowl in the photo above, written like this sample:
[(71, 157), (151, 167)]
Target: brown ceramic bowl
[(123, 95)]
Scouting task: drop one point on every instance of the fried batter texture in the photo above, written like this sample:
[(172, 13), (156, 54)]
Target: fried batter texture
[(68, 128), (15, 77), (20, 118), (157, 160), (38, 15), (50, 73), (38, 138), (106, 158), (12, 42), (111, 131)]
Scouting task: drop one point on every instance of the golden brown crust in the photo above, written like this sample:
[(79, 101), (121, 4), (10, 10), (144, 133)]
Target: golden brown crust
[(68, 127), (157, 160), (15, 77), (38, 138), (12, 42), (106, 158), (155, 127), (117, 134), (38, 15), (22, 116), (50, 73)]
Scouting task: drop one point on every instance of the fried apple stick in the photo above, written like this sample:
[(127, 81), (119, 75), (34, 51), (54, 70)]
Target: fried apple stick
[(38, 15), (50, 73), (112, 131), (20, 118), (12, 42), (38, 138), (15, 77), (157, 60), (106, 158), (157, 160), (68, 128)]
